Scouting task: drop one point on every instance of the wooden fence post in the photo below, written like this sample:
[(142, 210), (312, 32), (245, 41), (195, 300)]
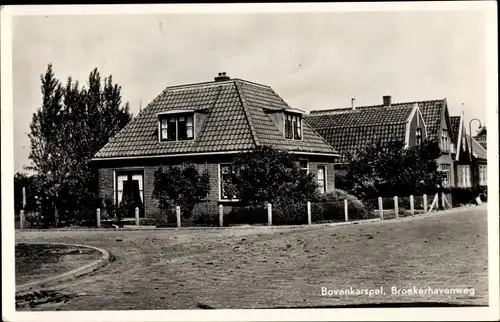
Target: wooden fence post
[(24, 197), (412, 205), (396, 207), (221, 215), (137, 221), (309, 220), (178, 215), (425, 203), (21, 219), (381, 208), (98, 217), (269, 214), (346, 210)]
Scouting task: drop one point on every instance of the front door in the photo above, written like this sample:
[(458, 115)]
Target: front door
[(130, 192)]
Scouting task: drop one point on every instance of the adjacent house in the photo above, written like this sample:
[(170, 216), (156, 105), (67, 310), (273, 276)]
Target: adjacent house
[(207, 124), (391, 121), (479, 163), (480, 136), (349, 129)]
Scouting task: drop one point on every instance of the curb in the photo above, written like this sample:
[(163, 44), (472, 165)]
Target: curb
[(86, 269)]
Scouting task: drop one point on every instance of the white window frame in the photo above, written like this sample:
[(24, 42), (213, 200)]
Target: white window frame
[(445, 144), (483, 179), (298, 118), (325, 176), (221, 199), (176, 116), (446, 168), (307, 167), (466, 182), (418, 135)]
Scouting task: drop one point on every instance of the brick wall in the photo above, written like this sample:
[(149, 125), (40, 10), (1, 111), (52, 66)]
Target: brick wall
[(107, 177)]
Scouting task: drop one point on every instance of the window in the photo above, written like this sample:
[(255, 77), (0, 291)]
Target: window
[(177, 127), (466, 176), (322, 179), (293, 126), (418, 135), (304, 166), (445, 144), (226, 172), (445, 171), (129, 187), (483, 181)]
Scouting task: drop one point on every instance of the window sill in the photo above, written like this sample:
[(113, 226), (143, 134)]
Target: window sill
[(167, 141), (229, 200)]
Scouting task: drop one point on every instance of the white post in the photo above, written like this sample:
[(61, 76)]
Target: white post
[(381, 208), (178, 214), (396, 207), (425, 203), (98, 219), (309, 221), (24, 197), (412, 205), (21, 220), (442, 201), (137, 221), (346, 210), (269, 214), (221, 216)]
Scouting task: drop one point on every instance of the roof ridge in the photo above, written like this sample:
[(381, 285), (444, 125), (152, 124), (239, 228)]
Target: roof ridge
[(397, 104), (212, 83), (360, 125), (243, 102)]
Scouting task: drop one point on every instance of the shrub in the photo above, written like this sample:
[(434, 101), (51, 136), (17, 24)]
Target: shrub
[(330, 206), (246, 215), (205, 218), (463, 196), (290, 214)]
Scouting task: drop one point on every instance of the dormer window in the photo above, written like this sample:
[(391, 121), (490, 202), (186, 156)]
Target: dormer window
[(445, 146), (178, 127), (293, 126)]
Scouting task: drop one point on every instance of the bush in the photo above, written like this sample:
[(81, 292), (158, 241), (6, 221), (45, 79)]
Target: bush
[(205, 219), (290, 214), (330, 206), (463, 196), (246, 215)]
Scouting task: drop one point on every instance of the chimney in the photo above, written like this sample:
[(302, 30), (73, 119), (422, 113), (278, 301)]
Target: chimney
[(222, 77), (387, 100), (352, 103)]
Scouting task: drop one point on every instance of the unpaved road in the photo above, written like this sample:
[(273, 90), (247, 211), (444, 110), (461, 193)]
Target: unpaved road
[(265, 268)]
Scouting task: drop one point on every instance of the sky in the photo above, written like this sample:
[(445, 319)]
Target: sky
[(312, 60)]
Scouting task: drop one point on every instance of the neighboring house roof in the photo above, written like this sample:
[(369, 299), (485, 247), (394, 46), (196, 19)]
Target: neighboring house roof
[(455, 122), (431, 111), (482, 131), (236, 120), (481, 137), (477, 149), (349, 130)]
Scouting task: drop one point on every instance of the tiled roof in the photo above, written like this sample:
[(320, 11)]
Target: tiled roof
[(477, 149), (349, 130), (455, 127), (236, 120), (431, 112)]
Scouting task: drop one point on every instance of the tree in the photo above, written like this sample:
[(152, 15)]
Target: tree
[(391, 169), (71, 125), (269, 175), (189, 189)]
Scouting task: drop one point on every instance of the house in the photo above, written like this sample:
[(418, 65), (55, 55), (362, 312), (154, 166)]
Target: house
[(349, 129), (207, 124), (462, 155), (391, 121), (480, 136), (479, 163)]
